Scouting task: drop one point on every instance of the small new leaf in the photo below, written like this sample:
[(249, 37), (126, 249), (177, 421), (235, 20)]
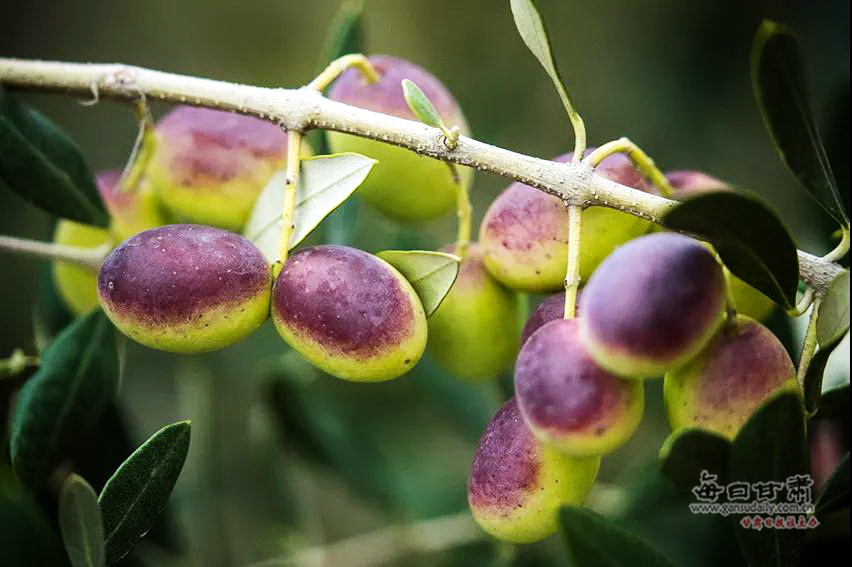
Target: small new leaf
[(137, 492), (594, 540), (778, 80), (750, 238), (80, 523), (64, 399), (431, 274), (689, 451), (420, 105), (43, 165), (326, 182)]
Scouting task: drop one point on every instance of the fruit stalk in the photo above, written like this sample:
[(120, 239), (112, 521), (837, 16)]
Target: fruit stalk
[(291, 186), (640, 159), (336, 67), (304, 109), (88, 257), (572, 275), (810, 344), (464, 213)]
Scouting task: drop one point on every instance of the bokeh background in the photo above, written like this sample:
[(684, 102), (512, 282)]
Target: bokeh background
[(283, 457)]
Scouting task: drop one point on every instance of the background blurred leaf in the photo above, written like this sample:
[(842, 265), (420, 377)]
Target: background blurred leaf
[(137, 492), (431, 274), (594, 540), (751, 240), (778, 80), (43, 165), (771, 446), (326, 182), (80, 523), (689, 451), (59, 405), (835, 493)]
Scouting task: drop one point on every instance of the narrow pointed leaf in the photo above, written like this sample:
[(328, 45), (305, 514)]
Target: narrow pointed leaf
[(138, 491), (689, 451), (832, 325), (80, 523), (43, 165), (594, 540), (835, 494), (325, 183), (420, 105), (59, 405), (771, 446), (431, 274), (778, 80), (751, 240)]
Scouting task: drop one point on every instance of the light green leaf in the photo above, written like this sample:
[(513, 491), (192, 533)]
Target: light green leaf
[(136, 494), (431, 274), (420, 105), (325, 183), (833, 321), (80, 523)]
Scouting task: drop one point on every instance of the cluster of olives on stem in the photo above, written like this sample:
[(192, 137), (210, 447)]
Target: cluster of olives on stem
[(655, 303)]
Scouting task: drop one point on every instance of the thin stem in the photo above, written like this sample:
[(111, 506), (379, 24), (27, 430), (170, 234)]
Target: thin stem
[(387, 545), (143, 149), (575, 118), (572, 275), (336, 67), (643, 162), (810, 344), (464, 211), (291, 186), (803, 304), (842, 247), (87, 257)]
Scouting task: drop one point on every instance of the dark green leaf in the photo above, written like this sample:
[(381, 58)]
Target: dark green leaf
[(80, 523), (26, 537), (594, 540), (420, 105), (689, 451), (43, 165), (772, 446), (835, 493), (136, 494), (832, 325), (59, 405), (431, 274), (778, 79), (751, 240)]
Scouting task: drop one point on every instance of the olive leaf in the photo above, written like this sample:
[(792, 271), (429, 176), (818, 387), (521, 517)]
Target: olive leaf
[(835, 494), (594, 540), (420, 105), (778, 81), (135, 495), (831, 326), (431, 274), (43, 165), (80, 523), (325, 183), (689, 451), (771, 446), (749, 236), (63, 400)]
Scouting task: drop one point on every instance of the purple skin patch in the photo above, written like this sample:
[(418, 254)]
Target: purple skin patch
[(654, 296), (548, 310), (741, 368), (386, 95), (212, 146), (691, 183), (344, 299), (523, 215), (175, 273), (506, 466), (559, 386)]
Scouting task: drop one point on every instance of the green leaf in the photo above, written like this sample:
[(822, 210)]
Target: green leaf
[(835, 494), (832, 325), (420, 105), (80, 523), (772, 446), (778, 80), (59, 405), (325, 183), (689, 451), (43, 165), (750, 238), (26, 537), (594, 540), (136, 494), (431, 274)]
